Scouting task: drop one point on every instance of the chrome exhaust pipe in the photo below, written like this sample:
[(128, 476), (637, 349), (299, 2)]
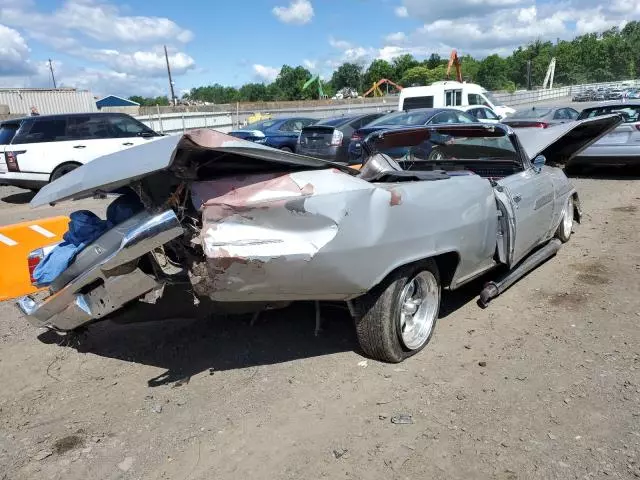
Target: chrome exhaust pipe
[(492, 289)]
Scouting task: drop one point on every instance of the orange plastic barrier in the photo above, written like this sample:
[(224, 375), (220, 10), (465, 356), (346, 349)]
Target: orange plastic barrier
[(17, 241)]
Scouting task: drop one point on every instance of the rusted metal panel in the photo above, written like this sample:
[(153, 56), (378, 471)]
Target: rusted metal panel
[(47, 101)]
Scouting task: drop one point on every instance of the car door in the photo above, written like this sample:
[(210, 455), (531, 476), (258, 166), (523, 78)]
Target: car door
[(130, 132), (92, 136), (527, 202), (490, 116), (39, 143)]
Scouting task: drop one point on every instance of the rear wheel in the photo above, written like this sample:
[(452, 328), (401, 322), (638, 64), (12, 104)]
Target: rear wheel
[(399, 316), (566, 223), (63, 170)]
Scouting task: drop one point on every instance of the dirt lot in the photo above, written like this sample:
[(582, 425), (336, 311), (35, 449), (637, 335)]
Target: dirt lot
[(543, 384)]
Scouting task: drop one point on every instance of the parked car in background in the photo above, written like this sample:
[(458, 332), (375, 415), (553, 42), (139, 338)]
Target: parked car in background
[(621, 146), (411, 118), (482, 113), (540, 117), (279, 133), (40, 149), (329, 138), (585, 96)]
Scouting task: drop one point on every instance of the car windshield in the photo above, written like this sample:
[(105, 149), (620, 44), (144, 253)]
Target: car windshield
[(7, 131), (531, 113), (630, 113), (452, 144), (332, 122), (403, 118), (262, 125)]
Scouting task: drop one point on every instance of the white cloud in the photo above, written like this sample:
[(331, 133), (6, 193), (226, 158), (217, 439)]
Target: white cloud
[(310, 64), (99, 21), (115, 52), (14, 53), (401, 12), (339, 44), (265, 73), (395, 38), (145, 63), (298, 12), (430, 11), (484, 27)]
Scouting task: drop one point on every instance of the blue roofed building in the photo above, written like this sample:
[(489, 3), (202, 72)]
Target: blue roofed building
[(115, 101)]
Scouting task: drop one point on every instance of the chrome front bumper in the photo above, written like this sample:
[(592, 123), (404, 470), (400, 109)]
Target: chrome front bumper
[(104, 287)]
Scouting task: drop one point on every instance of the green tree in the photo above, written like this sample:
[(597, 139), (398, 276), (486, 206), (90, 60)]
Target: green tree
[(377, 70), (403, 63), (347, 75), (252, 92), (493, 73), (289, 83), (435, 61), (422, 75)]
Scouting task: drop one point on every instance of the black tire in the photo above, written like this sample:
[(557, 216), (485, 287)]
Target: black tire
[(63, 170), (286, 149), (378, 315)]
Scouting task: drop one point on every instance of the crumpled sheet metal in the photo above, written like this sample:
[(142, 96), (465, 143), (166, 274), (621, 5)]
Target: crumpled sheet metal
[(327, 235)]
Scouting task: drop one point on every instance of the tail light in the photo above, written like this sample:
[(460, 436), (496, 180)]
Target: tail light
[(12, 161), (35, 257), (336, 138), (356, 136), (540, 125), (637, 126), (33, 261)]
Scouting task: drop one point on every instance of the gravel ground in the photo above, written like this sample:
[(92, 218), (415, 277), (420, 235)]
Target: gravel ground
[(542, 384)]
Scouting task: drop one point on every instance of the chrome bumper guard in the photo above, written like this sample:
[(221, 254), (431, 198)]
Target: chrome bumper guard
[(99, 290)]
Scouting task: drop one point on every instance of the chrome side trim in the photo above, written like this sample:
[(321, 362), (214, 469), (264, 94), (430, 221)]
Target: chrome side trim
[(95, 293)]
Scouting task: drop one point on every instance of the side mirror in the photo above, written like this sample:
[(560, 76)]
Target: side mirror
[(538, 163)]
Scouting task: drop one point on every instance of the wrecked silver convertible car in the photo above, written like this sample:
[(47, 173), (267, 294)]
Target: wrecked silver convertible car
[(243, 224)]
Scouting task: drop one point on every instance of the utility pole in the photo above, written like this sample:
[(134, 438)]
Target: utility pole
[(173, 95), (53, 77)]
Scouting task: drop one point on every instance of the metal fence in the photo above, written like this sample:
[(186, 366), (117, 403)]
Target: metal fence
[(229, 116)]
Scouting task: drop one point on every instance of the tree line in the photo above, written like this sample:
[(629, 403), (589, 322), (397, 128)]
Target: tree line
[(597, 57)]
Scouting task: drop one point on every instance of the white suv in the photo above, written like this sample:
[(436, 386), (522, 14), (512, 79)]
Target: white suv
[(37, 150)]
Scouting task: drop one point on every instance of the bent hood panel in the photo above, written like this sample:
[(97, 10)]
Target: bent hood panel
[(110, 172), (562, 142)]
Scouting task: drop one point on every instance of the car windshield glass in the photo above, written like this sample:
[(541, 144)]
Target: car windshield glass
[(531, 113), (262, 125), (452, 144), (630, 113), (332, 122), (7, 132), (402, 118)]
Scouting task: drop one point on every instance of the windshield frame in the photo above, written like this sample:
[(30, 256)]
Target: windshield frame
[(437, 136)]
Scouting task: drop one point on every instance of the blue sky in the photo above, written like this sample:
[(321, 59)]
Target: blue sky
[(116, 46)]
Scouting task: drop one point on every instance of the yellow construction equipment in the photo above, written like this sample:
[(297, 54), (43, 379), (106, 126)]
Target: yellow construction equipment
[(17, 242)]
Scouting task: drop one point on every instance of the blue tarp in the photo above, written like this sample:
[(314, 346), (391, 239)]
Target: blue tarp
[(84, 228)]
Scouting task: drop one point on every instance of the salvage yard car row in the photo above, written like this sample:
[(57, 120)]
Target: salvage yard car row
[(296, 209)]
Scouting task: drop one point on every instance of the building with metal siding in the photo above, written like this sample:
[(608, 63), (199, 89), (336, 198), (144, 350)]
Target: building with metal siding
[(47, 100), (115, 101)]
